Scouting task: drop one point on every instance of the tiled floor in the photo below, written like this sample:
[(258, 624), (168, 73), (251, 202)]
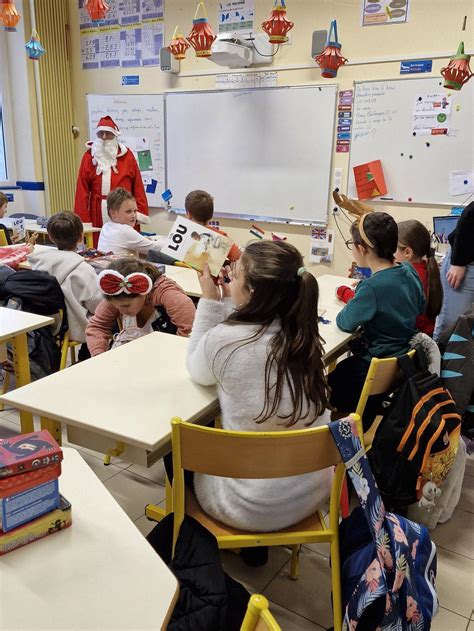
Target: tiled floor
[(303, 605)]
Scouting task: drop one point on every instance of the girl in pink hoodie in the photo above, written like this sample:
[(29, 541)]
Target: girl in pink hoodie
[(142, 297)]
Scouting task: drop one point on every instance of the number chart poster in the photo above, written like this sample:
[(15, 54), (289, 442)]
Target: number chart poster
[(384, 12), (130, 36)]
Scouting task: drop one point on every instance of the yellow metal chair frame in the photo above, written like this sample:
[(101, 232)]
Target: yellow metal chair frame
[(68, 345), (383, 376), (3, 238), (258, 616), (260, 455)]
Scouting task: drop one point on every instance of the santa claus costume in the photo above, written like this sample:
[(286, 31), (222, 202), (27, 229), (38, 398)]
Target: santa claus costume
[(107, 165)]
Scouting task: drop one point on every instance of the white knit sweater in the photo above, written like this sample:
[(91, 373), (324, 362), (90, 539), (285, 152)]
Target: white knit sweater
[(216, 355)]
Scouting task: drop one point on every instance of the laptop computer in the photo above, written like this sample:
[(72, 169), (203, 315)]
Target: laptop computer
[(445, 225)]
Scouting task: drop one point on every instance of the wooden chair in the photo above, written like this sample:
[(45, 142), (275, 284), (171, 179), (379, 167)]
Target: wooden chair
[(383, 376), (3, 238), (68, 345), (258, 616), (260, 455)]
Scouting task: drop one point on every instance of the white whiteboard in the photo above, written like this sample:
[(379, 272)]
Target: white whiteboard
[(263, 154), (382, 129), (140, 119)]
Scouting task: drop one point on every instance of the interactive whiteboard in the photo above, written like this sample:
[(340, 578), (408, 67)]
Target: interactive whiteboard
[(263, 154)]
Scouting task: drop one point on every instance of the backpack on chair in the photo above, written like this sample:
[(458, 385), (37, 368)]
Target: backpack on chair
[(39, 293), (415, 445), (388, 563)]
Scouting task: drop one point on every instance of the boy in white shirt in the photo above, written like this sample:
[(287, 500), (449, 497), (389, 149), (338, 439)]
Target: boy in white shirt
[(76, 277), (119, 235)]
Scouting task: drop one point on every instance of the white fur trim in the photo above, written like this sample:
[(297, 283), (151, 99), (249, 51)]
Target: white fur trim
[(106, 179), (105, 128)]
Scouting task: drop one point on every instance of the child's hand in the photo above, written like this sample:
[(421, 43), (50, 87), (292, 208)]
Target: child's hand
[(15, 238), (224, 280), (209, 289)]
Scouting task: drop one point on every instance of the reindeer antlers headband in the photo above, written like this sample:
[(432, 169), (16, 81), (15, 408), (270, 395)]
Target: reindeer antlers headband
[(356, 209), (112, 283)]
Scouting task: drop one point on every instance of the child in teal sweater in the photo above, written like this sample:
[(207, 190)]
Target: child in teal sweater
[(385, 305)]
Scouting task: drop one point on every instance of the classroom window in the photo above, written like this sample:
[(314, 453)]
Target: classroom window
[(3, 155)]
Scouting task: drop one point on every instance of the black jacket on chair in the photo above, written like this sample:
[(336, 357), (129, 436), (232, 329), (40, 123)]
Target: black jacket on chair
[(209, 599)]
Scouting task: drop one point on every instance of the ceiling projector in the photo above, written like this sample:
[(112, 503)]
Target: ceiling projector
[(240, 51)]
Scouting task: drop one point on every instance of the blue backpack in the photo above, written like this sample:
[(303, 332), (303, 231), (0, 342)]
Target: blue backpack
[(388, 563)]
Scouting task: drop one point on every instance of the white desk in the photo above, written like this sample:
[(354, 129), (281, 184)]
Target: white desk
[(127, 395), (100, 573), (14, 325), (327, 290)]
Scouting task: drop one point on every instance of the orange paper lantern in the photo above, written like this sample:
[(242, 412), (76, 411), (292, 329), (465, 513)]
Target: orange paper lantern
[(202, 36), (97, 9), (277, 26), (178, 45), (331, 59), (9, 16), (458, 71)]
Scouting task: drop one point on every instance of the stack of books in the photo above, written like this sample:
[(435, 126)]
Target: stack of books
[(31, 506)]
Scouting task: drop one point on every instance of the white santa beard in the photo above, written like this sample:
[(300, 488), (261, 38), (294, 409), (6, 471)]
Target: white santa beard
[(104, 154)]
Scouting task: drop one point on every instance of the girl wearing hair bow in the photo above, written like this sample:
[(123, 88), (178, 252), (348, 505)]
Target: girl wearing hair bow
[(144, 300), (260, 343)]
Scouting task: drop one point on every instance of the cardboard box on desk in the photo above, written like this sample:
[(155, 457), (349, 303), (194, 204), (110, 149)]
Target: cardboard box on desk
[(20, 508), (28, 452), (48, 524)]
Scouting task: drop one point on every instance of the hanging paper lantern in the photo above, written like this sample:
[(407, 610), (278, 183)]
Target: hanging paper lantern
[(202, 36), (458, 71), (33, 47), (9, 16), (331, 59), (277, 26), (97, 9), (178, 45)]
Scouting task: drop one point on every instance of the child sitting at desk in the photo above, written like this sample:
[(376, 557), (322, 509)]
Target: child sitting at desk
[(385, 305), (260, 344), (199, 207), (76, 277), (146, 301), (414, 246), (3, 212), (119, 235)]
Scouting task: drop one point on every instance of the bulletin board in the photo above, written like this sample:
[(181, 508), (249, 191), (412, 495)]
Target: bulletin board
[(402, 122), (140, 119), (263, 153)]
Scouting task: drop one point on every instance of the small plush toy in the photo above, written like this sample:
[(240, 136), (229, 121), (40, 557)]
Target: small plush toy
[(429, 494)]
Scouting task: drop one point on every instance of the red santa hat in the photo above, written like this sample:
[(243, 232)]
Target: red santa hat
[(107, 123)]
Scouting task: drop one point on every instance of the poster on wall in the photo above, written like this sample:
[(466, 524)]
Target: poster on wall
[(236, 16), (130, 36), (384, 12), (432, 115), (321, 245)]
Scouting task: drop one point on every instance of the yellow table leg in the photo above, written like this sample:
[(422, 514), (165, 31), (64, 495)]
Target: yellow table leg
[(154, 512), (89, 236), (53, 427), (22, 376)]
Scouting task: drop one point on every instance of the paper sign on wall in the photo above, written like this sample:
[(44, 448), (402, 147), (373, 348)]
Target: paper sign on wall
[(236, 16), (384, 12), (321, 245), (431, 114), (369, 180)]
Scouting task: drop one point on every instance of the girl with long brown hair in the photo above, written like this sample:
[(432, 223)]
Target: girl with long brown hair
[(260, 344), (414, 246)]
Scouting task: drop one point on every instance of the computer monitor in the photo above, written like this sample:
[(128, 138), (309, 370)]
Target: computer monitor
[(445, 225)]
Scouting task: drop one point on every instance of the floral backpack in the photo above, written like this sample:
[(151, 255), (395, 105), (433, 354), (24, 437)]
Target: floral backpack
[(388, 563)]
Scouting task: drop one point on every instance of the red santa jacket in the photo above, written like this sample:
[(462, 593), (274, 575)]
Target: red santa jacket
[(92, 189)]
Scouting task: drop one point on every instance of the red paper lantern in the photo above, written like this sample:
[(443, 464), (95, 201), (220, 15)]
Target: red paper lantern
[(277, 26), (9, 16), (202, 36), (178, 45), (97, 9), (331, 59), (458, 71)]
